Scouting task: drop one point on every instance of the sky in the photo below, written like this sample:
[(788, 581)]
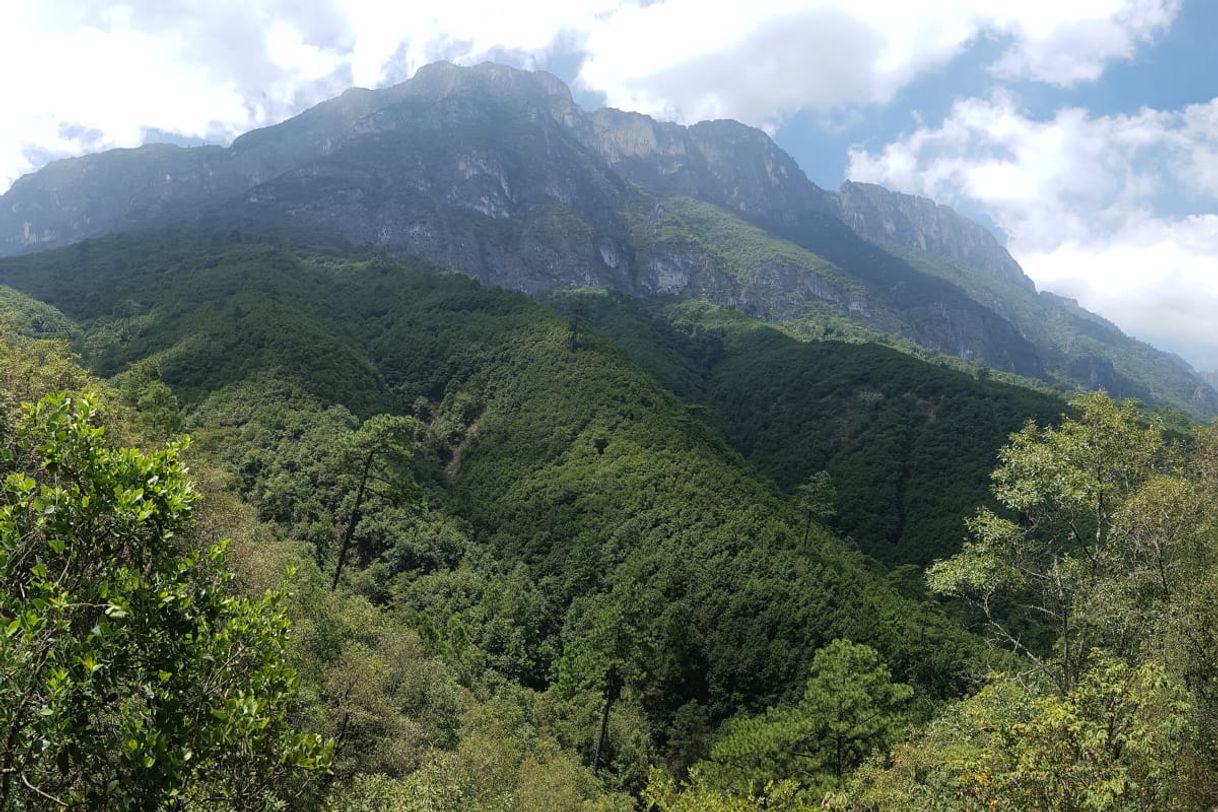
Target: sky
[(1083, 132)]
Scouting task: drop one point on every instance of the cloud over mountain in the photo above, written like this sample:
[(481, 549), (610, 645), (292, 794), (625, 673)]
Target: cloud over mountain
[(1080, 195), (1113, 210), (82, 77)]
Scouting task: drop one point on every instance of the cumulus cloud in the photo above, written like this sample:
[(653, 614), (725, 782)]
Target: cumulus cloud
[(1158, 280), (1075, 44), (1080, 199), (82, 76), (761, 60)]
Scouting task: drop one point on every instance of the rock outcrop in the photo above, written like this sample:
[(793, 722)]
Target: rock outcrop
[(497, 173), (923, 225)]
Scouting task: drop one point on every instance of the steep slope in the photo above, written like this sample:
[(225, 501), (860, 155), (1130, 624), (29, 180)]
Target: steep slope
[(497, 173), (563, 457), (34, 319), (924, 226), (1078, 348), (909, 444), (75, 198)]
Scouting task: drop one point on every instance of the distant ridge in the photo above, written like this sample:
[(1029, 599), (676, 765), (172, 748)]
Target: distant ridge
[(497, 173)]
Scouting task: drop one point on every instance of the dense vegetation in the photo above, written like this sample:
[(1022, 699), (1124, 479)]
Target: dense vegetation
[(579, 554), (879, 423)]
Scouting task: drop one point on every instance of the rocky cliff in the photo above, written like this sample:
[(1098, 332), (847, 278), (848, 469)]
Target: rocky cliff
[(923, 225), (497, 173)]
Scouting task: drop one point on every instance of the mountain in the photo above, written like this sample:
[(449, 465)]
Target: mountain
[(633, 534), (910, 443), (497, 173), (922, 225), (569, 461), (1076, 347)]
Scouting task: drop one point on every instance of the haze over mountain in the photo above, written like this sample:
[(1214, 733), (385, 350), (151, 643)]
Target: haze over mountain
[(497, 173)]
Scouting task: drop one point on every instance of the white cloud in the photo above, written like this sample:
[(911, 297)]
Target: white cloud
[(757, 61), (393, 39), (82, 76), (1075, 43), (86, 76), (1081, 200), (1157, 280)]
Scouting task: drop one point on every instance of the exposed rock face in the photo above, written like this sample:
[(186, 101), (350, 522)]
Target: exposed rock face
[(81, 197), (497, 173), (923, 225), (721, 162)]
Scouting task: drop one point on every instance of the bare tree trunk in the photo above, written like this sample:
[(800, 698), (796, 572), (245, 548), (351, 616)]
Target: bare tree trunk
[(613, 688), (350, 532)]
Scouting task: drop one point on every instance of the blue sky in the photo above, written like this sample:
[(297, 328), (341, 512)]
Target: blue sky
[(1084, 132), (1177, 68)]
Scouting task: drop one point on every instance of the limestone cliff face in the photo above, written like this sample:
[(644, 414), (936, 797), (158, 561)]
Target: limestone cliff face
[(81, 197), (497, 173), (72, 199), (721, 162), (489, 139), (923, 225)]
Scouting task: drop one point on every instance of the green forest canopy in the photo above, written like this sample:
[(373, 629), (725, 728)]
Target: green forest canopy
[(588, 576)]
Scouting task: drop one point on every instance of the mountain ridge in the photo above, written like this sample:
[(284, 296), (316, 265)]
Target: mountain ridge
[(497, 173), (918, 222)]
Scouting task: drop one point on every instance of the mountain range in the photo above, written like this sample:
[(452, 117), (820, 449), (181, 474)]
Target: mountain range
[(548, 459), (496, 172)]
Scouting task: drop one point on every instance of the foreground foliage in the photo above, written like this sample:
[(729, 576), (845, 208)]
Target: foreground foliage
[(1112, 549), (537, 565), (129, 676), (850, 708)]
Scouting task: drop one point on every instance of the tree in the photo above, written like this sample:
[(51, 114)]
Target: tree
[(689, 420), (31, 367), (664, 794), (850, 708), (130, 676), (572, 334), (1116, 740), (817, 500), (612, 653), (1120, 739), (156, 407), (379, 450), (1062, 557)]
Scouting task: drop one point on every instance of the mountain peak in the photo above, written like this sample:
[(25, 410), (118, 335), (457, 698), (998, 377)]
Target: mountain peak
[(541, 89), (910, 221), (496, 172), (496, 73)]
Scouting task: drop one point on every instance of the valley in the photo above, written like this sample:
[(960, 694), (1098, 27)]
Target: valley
[(449, 446)]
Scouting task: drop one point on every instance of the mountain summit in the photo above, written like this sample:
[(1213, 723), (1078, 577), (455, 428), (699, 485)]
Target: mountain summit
[(497, 173)]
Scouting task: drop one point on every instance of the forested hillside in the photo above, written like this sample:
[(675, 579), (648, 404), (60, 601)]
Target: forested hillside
[(533, 510), (497, 173), (214, 312), (909, 445), (587, 552)]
